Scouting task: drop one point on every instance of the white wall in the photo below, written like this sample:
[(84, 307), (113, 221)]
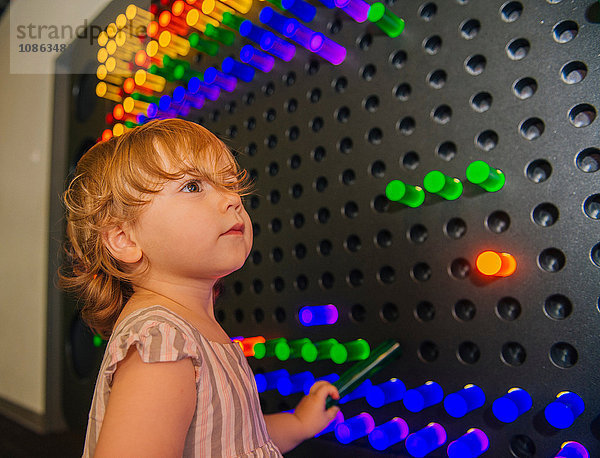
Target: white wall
[(25, 154)]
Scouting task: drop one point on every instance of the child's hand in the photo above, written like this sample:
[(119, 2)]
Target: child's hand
[(311, 412)]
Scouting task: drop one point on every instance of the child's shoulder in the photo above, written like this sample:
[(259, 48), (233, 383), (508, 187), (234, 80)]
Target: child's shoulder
[(137, 311)]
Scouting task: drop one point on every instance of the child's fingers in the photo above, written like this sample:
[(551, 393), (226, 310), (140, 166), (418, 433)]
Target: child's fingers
[(322, 389)]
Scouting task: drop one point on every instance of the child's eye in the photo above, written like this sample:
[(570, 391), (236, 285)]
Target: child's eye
[(192, 186)]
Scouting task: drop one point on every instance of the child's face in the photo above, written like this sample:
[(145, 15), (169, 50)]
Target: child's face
[(191, 230)]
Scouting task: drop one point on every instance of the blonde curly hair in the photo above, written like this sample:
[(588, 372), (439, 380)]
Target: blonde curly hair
[(113, 182)]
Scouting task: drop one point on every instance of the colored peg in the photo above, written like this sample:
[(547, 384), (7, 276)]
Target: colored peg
[(496, 264), (232, 21), (316, 315), (318, 350), (300, 34), (356, 9), (386, 352), (339, 418), (562, 412), (385, 393), (299, 8), (424, 396), (471, 444), (572, 449), (462, 402), (387, 21), (195, 86), (220, 34), (388, 434), (295, 383), (273, 347), (278, 47), (327, 49), (220, 79), (350, 351), (208, 47), (444, 186), (485, 176), (359, 392), (276, 21), (397, 191), (252, 32), (426, 440), (263, 61), (354, 428), (296, 346), (512, 405), (237, 69), (268, 380)]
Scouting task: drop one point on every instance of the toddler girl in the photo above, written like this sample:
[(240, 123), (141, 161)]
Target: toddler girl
[(155, 219)]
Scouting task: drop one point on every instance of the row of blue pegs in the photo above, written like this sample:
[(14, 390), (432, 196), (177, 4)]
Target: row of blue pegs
[(560, 413), (424, 441)]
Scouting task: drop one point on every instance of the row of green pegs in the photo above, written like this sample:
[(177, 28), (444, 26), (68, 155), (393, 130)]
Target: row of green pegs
[(283, 349), (479, 173)]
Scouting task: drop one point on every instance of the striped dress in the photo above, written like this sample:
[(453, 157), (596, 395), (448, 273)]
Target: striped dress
[(228, 421)]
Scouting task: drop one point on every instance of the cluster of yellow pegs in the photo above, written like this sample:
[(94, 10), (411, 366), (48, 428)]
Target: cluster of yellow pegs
[(140, 49)]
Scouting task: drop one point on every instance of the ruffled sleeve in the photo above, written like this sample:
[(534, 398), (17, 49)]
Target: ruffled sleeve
[(157, 338)]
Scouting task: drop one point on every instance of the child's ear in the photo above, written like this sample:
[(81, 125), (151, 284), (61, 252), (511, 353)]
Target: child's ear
[(121, 245)]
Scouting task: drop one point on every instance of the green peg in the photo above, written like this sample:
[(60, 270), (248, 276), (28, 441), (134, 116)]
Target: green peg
[(219, 34), (166, 73), (233, 21), (172, 63), (273, 347), (485, 176), (355, 350), (319, 350), (97, 340), (387, 21), (277, 3), (130, 124), (296, 346), (398, 191), (205, 46), (190, 73), (145, 98), (444, 186)]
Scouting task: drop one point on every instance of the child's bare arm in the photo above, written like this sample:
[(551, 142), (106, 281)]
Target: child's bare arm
[(149, 410), (288, 430)]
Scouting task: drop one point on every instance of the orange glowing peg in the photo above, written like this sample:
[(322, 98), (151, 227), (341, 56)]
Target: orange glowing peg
[(132, 106), (172, 23), (243, 6), (119, 129), (109, 91), (102, 39), (215, 9), (249, 342), (149, 81), (103, 75), (180, 45), (154, 51), (111, 30), (107, 135), (496, 264), (102, 55), (118, 112), (180, 8), (199, 21)]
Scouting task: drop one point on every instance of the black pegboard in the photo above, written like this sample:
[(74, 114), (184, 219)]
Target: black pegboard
[(465, 81), (506, 82)]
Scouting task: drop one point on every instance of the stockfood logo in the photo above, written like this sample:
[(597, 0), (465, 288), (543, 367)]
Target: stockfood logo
[(39, 34)]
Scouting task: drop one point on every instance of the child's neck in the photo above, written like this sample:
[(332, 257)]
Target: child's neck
[(197, 300)]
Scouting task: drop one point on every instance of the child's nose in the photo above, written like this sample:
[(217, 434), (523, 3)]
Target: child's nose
[(231, 199)]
